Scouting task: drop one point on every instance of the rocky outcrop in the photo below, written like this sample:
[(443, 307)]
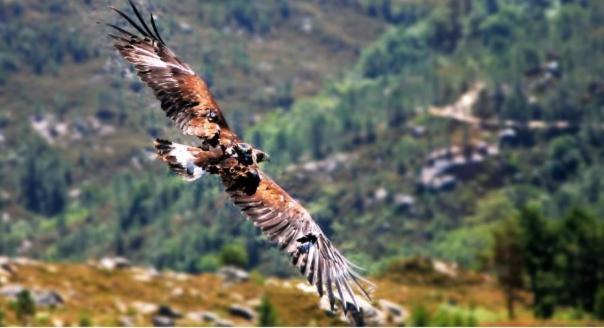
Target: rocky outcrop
[(161, 321), (242, 312), (41, 297), (233, 274), (112, 263)]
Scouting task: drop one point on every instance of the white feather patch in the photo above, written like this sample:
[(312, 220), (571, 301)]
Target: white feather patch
[(185, 158)]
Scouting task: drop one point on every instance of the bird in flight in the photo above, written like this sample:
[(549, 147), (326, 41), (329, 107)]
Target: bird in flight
[(186, 99)]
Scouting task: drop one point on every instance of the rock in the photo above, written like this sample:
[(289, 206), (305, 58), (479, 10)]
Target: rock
[(254, 303), (366, 315), (11, 291), (47, 298), (242, 312), (168, 312), (112, 263), (445, 268), (6, 266), (125, 321), (144, 275), (306, 288), (144, 307), (120, 306), (391, 307), (404, 201), (380, 194), (161, 321), (396, 312), (233, 274), (176, 292), (223, 323), (324, 305), (203, 316)]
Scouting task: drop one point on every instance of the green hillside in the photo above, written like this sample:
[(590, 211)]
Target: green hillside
[(345, 96)]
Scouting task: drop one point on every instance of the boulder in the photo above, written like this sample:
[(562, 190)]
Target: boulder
[(112, 263), (366, 315), (306, 288), (202, 316), (144, 307), (242, 312), (11, 291), (161, 321), (47, 298), (125, 321), (166, 311), (396, 312), (6, 266), (233, 274), (223, 323)]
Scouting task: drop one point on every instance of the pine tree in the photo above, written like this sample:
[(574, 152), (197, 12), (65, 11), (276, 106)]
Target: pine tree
[(268, 314)]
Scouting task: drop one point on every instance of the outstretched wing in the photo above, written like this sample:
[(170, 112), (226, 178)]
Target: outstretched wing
[(286, 222), (184, 96)]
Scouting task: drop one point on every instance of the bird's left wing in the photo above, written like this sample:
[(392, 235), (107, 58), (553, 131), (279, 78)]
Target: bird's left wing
[(286, 222), (184, 96)]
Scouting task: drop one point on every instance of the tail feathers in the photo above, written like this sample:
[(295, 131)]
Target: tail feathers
[(180, 159)]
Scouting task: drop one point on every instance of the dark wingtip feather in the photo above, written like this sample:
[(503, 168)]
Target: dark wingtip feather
[(121, 30), (156, 31), (141, 20), (138, 28)]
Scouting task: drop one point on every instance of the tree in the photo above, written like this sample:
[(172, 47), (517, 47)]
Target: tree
[(580, 267), (268, 314), (599, 304), (539, 244), (234, 254), (508, 260), (44, 180), (25, 307)]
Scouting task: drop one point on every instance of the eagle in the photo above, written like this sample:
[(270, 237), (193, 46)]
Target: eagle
[(186, 99)]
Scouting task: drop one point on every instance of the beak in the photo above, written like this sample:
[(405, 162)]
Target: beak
[(262, 157)]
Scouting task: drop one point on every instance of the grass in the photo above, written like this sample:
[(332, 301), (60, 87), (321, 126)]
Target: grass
[(101, 297)]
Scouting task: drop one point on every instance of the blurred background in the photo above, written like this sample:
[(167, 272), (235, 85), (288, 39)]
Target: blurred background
[(451, 148)]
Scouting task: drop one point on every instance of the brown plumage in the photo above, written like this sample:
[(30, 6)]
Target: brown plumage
[(186, 99)]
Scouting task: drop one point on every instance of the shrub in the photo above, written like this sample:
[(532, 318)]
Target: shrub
[(24, 306), (85, 320), (234, 254), (420, 317), (268, 314)]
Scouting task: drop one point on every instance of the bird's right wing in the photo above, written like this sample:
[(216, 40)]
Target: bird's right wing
[(286, 222), (184, 96)]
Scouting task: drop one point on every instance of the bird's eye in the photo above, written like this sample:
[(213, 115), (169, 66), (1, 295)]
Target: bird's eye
[(212, 116)]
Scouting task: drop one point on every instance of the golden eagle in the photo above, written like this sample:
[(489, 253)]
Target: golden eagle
[(186, 99)]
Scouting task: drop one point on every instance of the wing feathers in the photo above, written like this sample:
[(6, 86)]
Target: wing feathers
[(184, 96), (186, 99), (288, 224)]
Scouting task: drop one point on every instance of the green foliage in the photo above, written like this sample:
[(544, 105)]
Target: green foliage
[(24, 306), (85, 320), (1, 317), (508, 260), (420, 317), (599, 305), (234, 254), (42, 192), (208, 263), (268, 316)]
